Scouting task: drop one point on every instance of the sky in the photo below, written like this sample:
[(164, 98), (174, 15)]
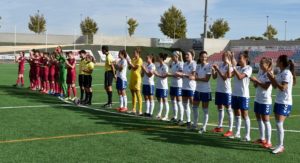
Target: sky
[(245, 17)]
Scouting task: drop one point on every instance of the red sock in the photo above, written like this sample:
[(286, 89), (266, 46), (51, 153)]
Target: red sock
[(47, 86), (56, 88), (37, 84), (18, 80), (32, 84), (52, 87), (74, 91), (44, 86), (22, 80), (59, 89), (69, 92)]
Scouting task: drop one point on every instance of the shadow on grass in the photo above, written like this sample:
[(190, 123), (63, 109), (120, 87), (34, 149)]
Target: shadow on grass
[(28, 95), (164, 131), (157, 130)]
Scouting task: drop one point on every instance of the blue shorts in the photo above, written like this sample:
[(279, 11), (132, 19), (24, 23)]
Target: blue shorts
[(263, 109), (202, 96), (148, 90), (121, 85), (161, 93), (240, 103), (175, 91), (282, 109), (187, 93), (223, 99)]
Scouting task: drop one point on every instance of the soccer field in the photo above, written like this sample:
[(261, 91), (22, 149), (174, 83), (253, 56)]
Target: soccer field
[(41, 128)]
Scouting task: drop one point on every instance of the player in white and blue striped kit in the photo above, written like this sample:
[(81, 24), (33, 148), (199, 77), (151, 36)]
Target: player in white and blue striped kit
[(241, 95), (121, 83), (223, 74), (148, 84), (203, 91), (162, 86), (189, 84), (283, 82), (176, 87), (263, 102)]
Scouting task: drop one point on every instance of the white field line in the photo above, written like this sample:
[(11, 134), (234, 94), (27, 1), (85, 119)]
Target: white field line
[(122, 114)]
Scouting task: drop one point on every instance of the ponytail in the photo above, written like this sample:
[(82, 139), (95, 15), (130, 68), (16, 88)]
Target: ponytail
[(292, 69), (192, 51), (246, 55), (287, 63), (180, 58)]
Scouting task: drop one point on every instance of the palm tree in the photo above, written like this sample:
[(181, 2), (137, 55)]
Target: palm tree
[(89, 28), (132, 23), (37, 23)]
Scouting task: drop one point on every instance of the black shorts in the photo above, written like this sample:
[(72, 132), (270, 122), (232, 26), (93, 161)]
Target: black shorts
[(81, 80), (108, 78), (87, 81)]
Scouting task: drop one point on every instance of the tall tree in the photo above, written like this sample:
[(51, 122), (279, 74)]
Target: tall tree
[(89, 28), (132, 23), (219, 28), (173, 23), (270, 33), (37, 23)]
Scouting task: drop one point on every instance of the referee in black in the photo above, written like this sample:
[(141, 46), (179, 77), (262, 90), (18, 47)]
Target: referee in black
[(88, 70), (82, 63), (108, 76)]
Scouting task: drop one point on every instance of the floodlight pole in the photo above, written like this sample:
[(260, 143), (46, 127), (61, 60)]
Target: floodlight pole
[(125, 32), (175, 24), (205, 20), (285, 23), (15, 40), (46, 32), (38, 21), (267, 21), (74, 39)]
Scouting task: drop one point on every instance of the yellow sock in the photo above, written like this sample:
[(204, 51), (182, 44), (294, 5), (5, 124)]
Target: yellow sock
[(133, 101), (140, 101)]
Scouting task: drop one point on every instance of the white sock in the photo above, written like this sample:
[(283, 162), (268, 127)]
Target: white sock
[(196, 115), (147, 106), (268, 131), (205, 118), (188, 111), (167, 109), (152, 105), (238, 123), (261, 127), (161, 107), (125, 101), (175, 108), (221, 117), (181, 109), (280, 133), (247, 126), (121, 101), (230, 118)]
